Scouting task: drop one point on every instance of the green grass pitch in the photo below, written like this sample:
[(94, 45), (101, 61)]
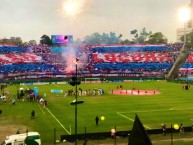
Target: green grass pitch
[(172, 106)]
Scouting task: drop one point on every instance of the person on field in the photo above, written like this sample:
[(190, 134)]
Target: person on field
[(17, 132), (186, 86), (181, 129), (192, 128), (32, 114), (13, 101), (164, 129), (97, 120)]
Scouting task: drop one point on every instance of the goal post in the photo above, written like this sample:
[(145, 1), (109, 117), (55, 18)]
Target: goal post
[(92, 80)]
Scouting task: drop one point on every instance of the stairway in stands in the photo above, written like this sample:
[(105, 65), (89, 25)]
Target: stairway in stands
[(183, 55)]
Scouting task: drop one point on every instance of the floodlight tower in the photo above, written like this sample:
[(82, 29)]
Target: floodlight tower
[(184, 15)]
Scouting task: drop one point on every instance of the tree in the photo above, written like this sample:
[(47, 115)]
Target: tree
[(25, 43), (46, 40), (5, 41), (15, 41), (32, 42), (157, 38), (113, 39), (105, 38), (144, 34), (133, 31), (126, 41), (94, 38), (140, 37)]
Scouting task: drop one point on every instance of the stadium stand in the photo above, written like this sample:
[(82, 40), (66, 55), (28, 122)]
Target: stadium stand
[(16, 59), (130, 48), (132, 60), (10, 49)]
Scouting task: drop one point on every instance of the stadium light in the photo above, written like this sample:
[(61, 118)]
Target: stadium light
[(184, 16), (76, 94), (74, 82)]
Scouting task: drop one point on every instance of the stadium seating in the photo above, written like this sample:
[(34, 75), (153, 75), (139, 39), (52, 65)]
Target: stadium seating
[(12, 58), (133, 66), (132, 58), (18, 59), (190, 58), (100, 59), (26, 67), (132, 48), (11, 49), (187, 67)]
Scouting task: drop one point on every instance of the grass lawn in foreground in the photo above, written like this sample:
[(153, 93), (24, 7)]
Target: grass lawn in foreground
[(172, 106)]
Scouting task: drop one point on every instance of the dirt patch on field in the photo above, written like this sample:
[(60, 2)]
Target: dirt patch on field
[(6, 130), (134, 92)]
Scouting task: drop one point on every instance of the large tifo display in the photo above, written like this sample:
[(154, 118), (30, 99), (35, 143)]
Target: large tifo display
[(62, 39)]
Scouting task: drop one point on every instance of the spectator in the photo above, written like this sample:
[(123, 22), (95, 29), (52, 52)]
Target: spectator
[(97, 120), (32, 114), (13, 101), (164, 129), (192, 128), (181, 129)]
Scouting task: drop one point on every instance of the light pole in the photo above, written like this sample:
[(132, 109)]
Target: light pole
[(184, 15), (74, 82), (76, 109)]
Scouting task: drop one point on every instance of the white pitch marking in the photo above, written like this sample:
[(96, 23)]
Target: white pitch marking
[(172, 108), (41, 109), (145, 111), (58, 121), (131, 119), (125, 117)]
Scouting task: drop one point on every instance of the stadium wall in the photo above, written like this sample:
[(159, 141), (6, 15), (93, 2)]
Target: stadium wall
[(104, 78), (104, 135)]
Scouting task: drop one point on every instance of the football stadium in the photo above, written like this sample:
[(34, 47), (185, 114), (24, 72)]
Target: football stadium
[(113, 92)]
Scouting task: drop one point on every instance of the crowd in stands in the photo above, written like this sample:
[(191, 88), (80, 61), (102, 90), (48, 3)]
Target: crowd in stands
[(130, 48), (38, 48), (26, 58), (174, 47), (9, 49), (131, 59), (146, 59)]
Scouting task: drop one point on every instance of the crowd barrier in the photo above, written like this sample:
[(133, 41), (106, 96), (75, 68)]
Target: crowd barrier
[(104, 135)]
